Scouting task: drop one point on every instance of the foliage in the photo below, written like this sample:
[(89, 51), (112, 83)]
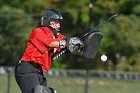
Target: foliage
[(13, 34), (121, 35), (122, 38)]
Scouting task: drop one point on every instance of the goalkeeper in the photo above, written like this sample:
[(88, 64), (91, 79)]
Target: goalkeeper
[(44, 43)]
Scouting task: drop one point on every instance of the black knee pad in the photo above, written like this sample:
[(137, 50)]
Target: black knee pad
[(43, 89)]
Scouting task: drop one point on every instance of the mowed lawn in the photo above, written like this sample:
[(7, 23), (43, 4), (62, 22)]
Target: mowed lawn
[(77, 85)]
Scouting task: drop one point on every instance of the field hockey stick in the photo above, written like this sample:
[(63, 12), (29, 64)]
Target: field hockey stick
[(91, 31), (103, 22)]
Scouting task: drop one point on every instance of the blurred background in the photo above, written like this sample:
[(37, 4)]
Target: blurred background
[(119, 74)]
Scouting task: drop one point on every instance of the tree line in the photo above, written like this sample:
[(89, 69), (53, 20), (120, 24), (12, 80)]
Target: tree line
[(121, 35)]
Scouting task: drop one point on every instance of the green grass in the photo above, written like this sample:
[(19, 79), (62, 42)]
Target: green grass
[(77, 85)]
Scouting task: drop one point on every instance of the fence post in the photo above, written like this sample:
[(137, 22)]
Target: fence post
[(86, 80), (8, 81)]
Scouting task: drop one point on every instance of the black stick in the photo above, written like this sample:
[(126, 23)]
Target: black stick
[(91, 31)]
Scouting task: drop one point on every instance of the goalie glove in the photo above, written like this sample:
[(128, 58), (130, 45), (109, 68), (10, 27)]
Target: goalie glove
[(73, 44)]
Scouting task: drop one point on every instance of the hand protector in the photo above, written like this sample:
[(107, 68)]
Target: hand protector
[(73, 44), (62, 43)]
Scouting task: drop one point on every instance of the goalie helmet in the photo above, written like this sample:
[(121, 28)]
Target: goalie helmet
[(50, 14)]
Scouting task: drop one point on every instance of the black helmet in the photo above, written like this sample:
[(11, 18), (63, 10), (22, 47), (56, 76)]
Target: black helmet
[(50, 14)]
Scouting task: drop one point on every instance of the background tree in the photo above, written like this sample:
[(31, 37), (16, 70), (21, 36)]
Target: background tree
[(121, 35)]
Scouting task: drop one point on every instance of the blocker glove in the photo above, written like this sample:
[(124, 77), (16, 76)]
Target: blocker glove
[(72, 44)]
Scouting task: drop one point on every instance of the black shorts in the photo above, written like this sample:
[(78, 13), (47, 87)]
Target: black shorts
[(29, 74)]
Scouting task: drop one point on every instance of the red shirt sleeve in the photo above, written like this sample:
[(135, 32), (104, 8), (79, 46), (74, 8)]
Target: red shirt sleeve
[(41, 39)]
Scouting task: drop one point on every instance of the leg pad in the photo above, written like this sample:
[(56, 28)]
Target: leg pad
[(43, 89)]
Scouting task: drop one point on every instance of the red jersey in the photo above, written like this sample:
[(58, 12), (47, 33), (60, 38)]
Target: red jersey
[(37, 48)]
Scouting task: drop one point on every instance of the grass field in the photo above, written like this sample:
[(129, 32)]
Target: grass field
[(77, 85)]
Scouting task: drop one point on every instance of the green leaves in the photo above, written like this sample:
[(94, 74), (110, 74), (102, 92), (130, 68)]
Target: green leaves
[(14, 32), (121, 35)]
